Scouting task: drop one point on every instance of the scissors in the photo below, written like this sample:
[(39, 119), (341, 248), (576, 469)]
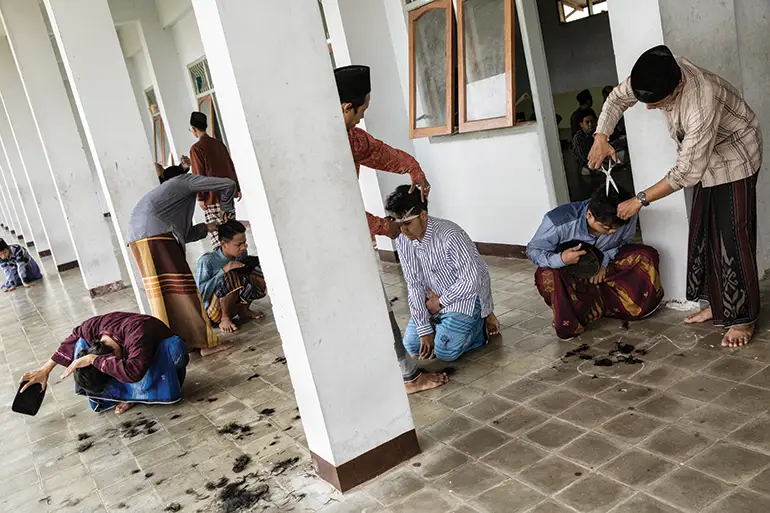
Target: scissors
[(610, 181)]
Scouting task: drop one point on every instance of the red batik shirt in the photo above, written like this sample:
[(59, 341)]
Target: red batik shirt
[(375, 154)]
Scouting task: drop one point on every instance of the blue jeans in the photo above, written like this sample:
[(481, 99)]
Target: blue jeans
[(456, 334)]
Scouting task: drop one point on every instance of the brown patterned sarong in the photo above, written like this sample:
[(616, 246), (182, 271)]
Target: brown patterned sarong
[(631, 290), (249, 285), (171, 289)]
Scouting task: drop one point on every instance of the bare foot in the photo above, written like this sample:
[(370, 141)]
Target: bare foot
[(704, 315), (29, 285), (251, 314), (227, 325), (208, 351), (426, 381), (123, 408), (738, 336)]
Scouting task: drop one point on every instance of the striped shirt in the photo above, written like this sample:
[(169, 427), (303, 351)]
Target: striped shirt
[(716, 132), (447, 262)]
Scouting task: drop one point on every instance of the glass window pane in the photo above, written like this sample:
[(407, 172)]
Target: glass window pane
[(158, 132), (430, 61), (204, 106), (485, 77)]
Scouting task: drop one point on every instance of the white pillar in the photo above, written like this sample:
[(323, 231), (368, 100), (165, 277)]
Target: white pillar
[(12, 198), (300, 182), (636, 27), (31, 225), (63, 153), (34, 162), (111, 120)]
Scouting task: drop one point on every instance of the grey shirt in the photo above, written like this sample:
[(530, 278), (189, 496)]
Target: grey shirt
[(170, 208)]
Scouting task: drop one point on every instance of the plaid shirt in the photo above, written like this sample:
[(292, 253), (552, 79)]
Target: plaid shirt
[(716, 132)]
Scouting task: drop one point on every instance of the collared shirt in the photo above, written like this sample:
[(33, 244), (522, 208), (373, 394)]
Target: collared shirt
[(447, 262), (209, 157), (170, 208), (568, 222), (18, 258), (137, 335), (375, 154), (716, 132), (581, 146)]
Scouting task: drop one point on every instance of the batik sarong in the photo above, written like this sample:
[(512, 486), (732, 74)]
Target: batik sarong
[(631, 290), (248, 283), (171, 289), (722, 259), (161, 384), (455, 334)]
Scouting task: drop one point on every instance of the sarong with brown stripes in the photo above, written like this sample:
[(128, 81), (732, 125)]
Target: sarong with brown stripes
[(171, 289)]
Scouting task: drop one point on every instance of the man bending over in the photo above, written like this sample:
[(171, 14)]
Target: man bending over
[(450, 293), (626, 284)]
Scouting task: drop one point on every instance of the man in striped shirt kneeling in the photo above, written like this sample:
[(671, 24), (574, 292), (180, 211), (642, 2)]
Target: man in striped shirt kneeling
[(450, 293)]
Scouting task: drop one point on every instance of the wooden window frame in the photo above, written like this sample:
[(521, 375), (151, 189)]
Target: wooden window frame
[(414, 16), (510, 83)]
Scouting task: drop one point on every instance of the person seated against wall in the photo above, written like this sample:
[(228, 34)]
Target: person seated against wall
[(450, 292), (229, 279), (119, 359), (585, 101), (587, 268), (18, 266)]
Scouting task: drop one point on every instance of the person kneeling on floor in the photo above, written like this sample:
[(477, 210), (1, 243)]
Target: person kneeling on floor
[(18, 266), (587, 268), (120, 359), (229, 279), (450, 293)]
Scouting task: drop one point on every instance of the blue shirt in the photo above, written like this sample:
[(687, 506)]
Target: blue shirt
[(568, 222), (447, 262), (210, 271)]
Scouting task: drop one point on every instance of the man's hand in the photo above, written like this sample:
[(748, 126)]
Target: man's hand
[(571, 256), (427, 343), (184, 161), (423, 185), (39, 376), (493, 325), (599, 277), (212, 227), (600, 150), (433, 304), (232, 264), (83, 361), (394, 229), (629, 208), (202, 204), (238, 195)]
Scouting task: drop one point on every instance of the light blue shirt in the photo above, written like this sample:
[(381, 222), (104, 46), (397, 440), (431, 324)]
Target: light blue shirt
[(568, 222)]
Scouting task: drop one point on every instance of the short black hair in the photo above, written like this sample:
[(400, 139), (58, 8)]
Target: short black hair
[(356, 103), (584, 113), (584, 97), (90, 378), (228, 230), (604, 207), (173, 171), (402, 201), (3, 245), (607, 90)]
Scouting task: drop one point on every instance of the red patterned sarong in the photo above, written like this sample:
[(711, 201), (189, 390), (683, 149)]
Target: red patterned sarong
[(631, 290)]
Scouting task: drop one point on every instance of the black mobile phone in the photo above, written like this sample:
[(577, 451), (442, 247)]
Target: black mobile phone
[(29, 401)]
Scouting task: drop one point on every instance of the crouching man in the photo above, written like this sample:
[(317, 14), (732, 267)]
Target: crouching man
[(450, 293), (119, 359), (587, 268)]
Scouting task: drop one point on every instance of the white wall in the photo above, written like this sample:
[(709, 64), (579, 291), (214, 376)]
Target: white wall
[(170, 11)]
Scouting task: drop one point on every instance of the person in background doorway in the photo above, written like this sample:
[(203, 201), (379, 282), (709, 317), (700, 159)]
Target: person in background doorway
[(184, 164), (18, 266), (354, 88), (719, 154), (450, 292), (584, 138), (158, 229), (209, 157), (120, 359), (229, 279), (627, 283), (585, 101)]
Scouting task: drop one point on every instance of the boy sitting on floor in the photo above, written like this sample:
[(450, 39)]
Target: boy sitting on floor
[(626, 284), (229, 279), (450, 293), (18, 266)]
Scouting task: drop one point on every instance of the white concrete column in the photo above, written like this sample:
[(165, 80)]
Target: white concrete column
[(34, 161), (31, 224), (301, 181), (111, 120), (63, 152), (11, 198), (636, 27)]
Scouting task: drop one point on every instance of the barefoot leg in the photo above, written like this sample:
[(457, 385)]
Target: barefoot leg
[(246, 313), (738, 336), (230, 308), (208, 351), (426, 381), (123, 408), (704, 315)]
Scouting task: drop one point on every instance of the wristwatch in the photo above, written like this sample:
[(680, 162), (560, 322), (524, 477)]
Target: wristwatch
[(642, 197)]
